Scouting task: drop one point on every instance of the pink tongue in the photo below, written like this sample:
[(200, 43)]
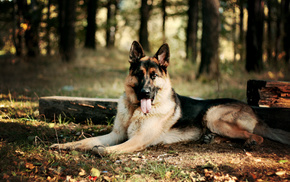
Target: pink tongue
[(145, 105)]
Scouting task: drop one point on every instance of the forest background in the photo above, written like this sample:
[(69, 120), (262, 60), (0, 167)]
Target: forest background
[(222, 43)]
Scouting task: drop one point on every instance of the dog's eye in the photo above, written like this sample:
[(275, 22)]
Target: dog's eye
[(153, 76)]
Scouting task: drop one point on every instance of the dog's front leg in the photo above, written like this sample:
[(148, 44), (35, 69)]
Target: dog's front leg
[(117, 136), (112, 138), (142, 137)]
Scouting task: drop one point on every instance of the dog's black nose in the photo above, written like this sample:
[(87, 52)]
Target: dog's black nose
[(145, 92)]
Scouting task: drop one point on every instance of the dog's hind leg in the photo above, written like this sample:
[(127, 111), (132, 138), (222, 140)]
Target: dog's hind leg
[(233, 131), (234, 121)]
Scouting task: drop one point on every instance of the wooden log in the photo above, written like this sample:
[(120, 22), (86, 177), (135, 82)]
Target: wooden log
[(100, 110), (80, 109), (268, 93), (274, 117)]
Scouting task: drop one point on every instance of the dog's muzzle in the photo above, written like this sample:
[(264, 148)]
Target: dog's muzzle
[(146, 102)]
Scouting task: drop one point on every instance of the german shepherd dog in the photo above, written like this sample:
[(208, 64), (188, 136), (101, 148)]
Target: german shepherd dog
[(150, 112)]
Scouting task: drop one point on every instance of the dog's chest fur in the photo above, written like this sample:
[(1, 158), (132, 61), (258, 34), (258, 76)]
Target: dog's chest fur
[(162, 113)]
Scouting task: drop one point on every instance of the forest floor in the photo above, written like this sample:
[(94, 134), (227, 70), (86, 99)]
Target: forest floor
[(25, 136)]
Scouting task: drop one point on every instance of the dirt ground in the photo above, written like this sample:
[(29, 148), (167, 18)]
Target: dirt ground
[(227, 161)]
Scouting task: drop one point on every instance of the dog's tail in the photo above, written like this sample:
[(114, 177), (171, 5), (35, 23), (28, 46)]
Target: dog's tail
[(272, 133)]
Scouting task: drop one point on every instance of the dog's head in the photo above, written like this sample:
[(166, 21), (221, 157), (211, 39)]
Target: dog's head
[(147, 75)]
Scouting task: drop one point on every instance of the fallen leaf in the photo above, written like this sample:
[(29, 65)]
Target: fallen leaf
[(95, 172), (51, 125), (168, 174), (74, 152), (127, 169), (253, 176), (269, 173), (135, 159), (69, 179), (283, 161), (280, 173), (29, 166), (93, 178), (82, 172), (107, 178)]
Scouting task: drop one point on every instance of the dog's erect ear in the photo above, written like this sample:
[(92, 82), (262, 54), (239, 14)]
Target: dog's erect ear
[(163, 55), (136, 52)]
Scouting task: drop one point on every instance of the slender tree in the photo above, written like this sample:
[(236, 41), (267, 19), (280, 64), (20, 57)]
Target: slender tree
[(111, 27), (278, 36), (90, 41), (33, 18), (234, 29), (164, 15), (209, 66), (270, 4), (145, 10), (254, 39), (17, 30), (67, 14), (48, 47), (191, 31), (241, 30), (286, 39)]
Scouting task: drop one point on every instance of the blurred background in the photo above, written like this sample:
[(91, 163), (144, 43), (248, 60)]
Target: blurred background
[(80, 47)]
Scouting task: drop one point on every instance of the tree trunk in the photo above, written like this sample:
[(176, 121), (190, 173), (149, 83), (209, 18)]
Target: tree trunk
[(90, 41), (67, 14), (270, 31), (209, 66), (254, 62), (144, 17), (234, 32), (16, 29), (48, 48), (242, 37), (111, 27), (278, 32), (191, 31), (164, 15), (18, 39), (33, 18), (286, 40)]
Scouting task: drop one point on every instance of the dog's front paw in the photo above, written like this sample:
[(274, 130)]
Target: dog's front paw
[(65, 146), (99, 150)]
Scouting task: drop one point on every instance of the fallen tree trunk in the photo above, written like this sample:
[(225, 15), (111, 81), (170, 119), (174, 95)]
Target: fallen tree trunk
[(99, 111), (79, 109)]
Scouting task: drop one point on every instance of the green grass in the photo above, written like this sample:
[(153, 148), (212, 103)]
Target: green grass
[(25, 136)]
